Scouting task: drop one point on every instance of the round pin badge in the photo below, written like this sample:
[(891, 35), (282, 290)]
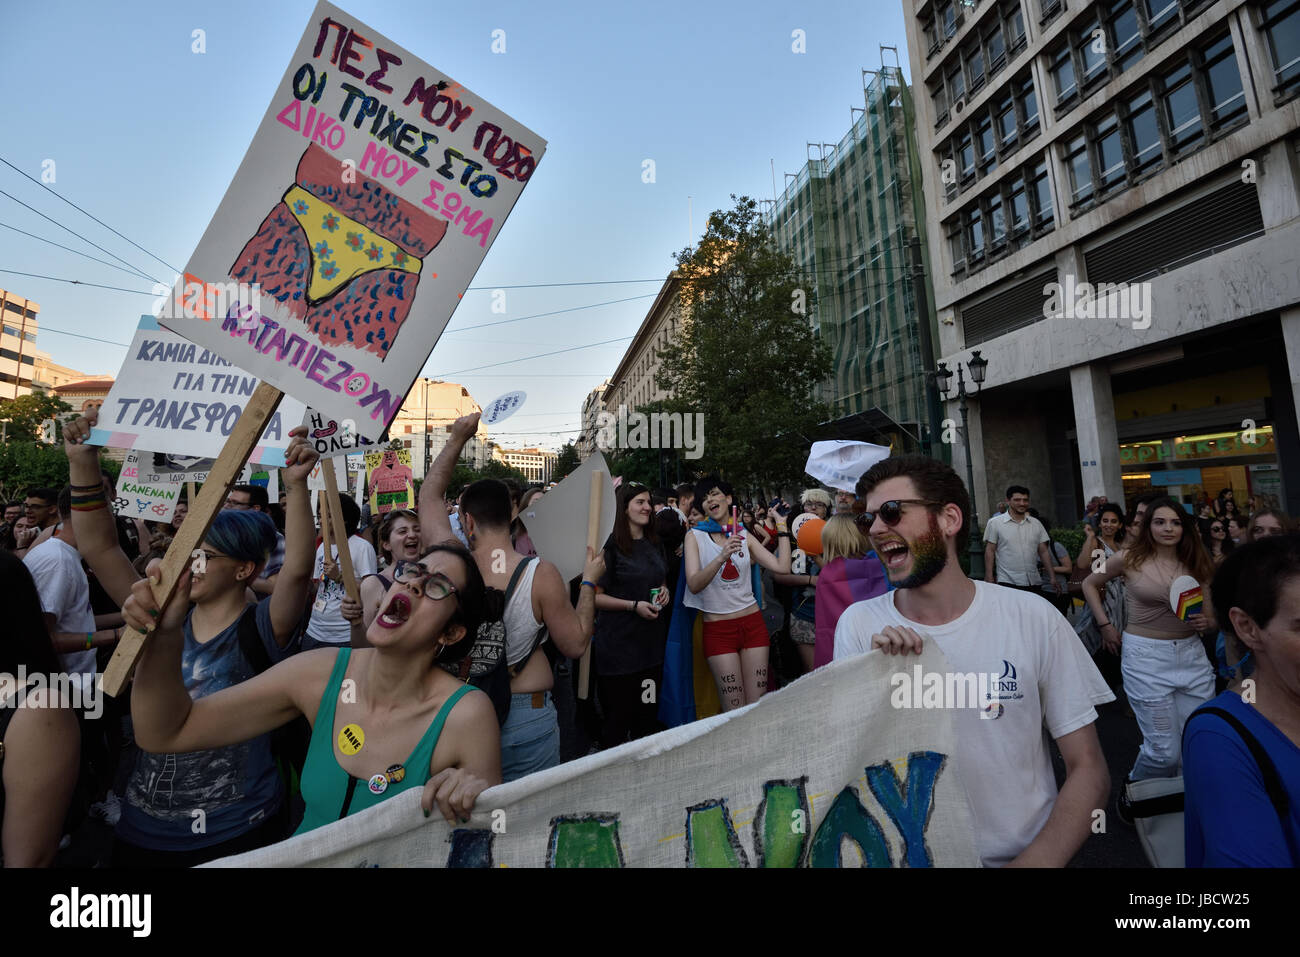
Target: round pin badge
[(395, 773), (378, 784), (351, 739)]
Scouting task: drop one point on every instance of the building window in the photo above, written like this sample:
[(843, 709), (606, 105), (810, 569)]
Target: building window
[(1004, 110), (1159, 12), (1015, 20), (997, 223), (1076, 158), (974, 58), (1018, 207), (1182, 113), (1028, 103), (947, 15), (995, 49), (965, 155), (1110, 153), (1281, 25), (1223, 83), (974, 235), (1090, 43), (939, 94), (1062, 70), (1002, 221), (1049, 10), (1143, 132), (984, 144), (1125, 34), (956, 83)]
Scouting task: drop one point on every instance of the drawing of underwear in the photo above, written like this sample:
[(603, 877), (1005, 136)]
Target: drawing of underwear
[(344, 258)]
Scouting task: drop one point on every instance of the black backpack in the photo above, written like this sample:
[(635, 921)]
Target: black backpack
[(485, 666), (290, 741)]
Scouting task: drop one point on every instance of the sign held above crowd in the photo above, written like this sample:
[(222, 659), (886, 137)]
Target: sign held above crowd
[(370, 193)]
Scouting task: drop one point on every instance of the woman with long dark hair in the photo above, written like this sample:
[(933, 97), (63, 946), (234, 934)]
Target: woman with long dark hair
[(1216, 540), (1166, 673), (629, 635), (40, 740)]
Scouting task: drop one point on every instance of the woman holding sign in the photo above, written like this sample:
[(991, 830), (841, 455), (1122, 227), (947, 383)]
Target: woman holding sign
[(1166, 673), (720, 560)]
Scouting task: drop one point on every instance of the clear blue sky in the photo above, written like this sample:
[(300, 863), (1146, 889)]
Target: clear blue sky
[(146, 135)]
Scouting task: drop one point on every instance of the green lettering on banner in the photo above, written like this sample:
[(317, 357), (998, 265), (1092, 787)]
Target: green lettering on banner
[(847, 818), (587, 841), (710, 837), (783, 845)]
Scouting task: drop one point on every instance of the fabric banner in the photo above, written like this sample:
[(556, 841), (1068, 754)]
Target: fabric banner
[(370, 193), (173, 396), (823, 773)]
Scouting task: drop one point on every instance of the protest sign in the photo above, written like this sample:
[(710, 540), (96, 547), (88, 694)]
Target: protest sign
[(557, 521), (162, 468), (331, 437), (176, 397), (390, 480), (316, 477), (268, 479), (868, 784), (370, 193), (502, 407), (142, 492), (839, 463)]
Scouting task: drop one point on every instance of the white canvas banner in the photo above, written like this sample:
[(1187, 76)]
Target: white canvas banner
[(370, 193), (823, 773), (173, 396)]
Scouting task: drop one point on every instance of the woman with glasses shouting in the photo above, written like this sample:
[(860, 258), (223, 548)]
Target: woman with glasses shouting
[(720, 560), (384, 718)]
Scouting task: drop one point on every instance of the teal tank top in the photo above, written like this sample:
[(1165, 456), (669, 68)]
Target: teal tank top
[(329, 792)]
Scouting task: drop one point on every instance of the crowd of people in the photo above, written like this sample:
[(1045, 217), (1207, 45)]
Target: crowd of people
[(275, 696)]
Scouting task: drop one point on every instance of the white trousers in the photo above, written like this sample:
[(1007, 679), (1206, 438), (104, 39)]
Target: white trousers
[(1165, 680)]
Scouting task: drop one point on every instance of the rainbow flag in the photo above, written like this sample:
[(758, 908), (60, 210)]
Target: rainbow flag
[(1190, 603)]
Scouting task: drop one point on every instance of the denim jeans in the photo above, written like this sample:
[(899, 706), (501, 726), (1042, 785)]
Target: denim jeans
[(530, 738), (1165, 680)]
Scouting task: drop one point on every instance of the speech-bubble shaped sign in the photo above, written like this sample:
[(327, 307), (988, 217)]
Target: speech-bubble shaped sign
[(501, 408)]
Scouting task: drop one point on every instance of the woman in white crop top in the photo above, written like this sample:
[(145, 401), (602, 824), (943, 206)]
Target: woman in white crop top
[(718, 554)]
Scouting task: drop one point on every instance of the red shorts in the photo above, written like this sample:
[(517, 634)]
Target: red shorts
[(728, 637)]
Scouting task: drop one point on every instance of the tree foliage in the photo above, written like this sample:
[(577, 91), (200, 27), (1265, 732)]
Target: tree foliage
[(566, 461), (27, 465), (23, 416), (747, 357), (464, 474)]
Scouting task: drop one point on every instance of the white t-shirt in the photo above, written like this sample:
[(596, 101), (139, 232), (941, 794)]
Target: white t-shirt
[(65, 594), (1044, 680), (327, 622)]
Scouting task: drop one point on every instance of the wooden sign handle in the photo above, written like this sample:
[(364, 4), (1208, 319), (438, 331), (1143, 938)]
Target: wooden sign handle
[(593, 532), (335, 509), (203, 509), (323, 511)]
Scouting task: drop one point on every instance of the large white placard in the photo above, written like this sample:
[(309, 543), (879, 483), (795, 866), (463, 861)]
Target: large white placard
[(369, 195), (173, 396)]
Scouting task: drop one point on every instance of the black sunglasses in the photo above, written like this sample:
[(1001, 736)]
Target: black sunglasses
[(436, 585), (891, 512)]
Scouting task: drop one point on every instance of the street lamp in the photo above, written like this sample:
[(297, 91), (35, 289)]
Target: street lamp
[(977, 365)]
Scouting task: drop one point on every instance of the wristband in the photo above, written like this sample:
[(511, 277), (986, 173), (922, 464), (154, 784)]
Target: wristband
[(585, 582), (782, 534), (90, 637), (1103, 624)]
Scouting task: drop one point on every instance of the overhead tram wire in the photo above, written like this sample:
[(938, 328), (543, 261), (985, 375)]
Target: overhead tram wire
[(139, 272), (543, 355), (78, 252), (91, 215)]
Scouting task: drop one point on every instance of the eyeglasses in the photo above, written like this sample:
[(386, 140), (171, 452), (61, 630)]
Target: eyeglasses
[(234, 503), (1216, 528), (891, 512), (436, 585)]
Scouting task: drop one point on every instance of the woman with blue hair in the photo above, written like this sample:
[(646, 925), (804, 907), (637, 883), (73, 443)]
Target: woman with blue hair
[(182, 809)]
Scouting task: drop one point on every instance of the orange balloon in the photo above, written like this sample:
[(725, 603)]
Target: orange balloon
[(810, 536)]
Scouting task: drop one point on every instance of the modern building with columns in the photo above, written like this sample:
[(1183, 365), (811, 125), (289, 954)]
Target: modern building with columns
[(1147, 148)]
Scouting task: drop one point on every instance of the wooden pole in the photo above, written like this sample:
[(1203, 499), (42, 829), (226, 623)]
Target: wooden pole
[(189, 493), (323, 511), (203, 509), (335, 509), (593, 531)]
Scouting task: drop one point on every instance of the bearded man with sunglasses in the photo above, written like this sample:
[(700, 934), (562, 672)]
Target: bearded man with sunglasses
[(917, 519)]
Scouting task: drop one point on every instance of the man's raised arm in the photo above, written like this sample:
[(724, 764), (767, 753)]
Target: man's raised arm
[(434, 524)]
